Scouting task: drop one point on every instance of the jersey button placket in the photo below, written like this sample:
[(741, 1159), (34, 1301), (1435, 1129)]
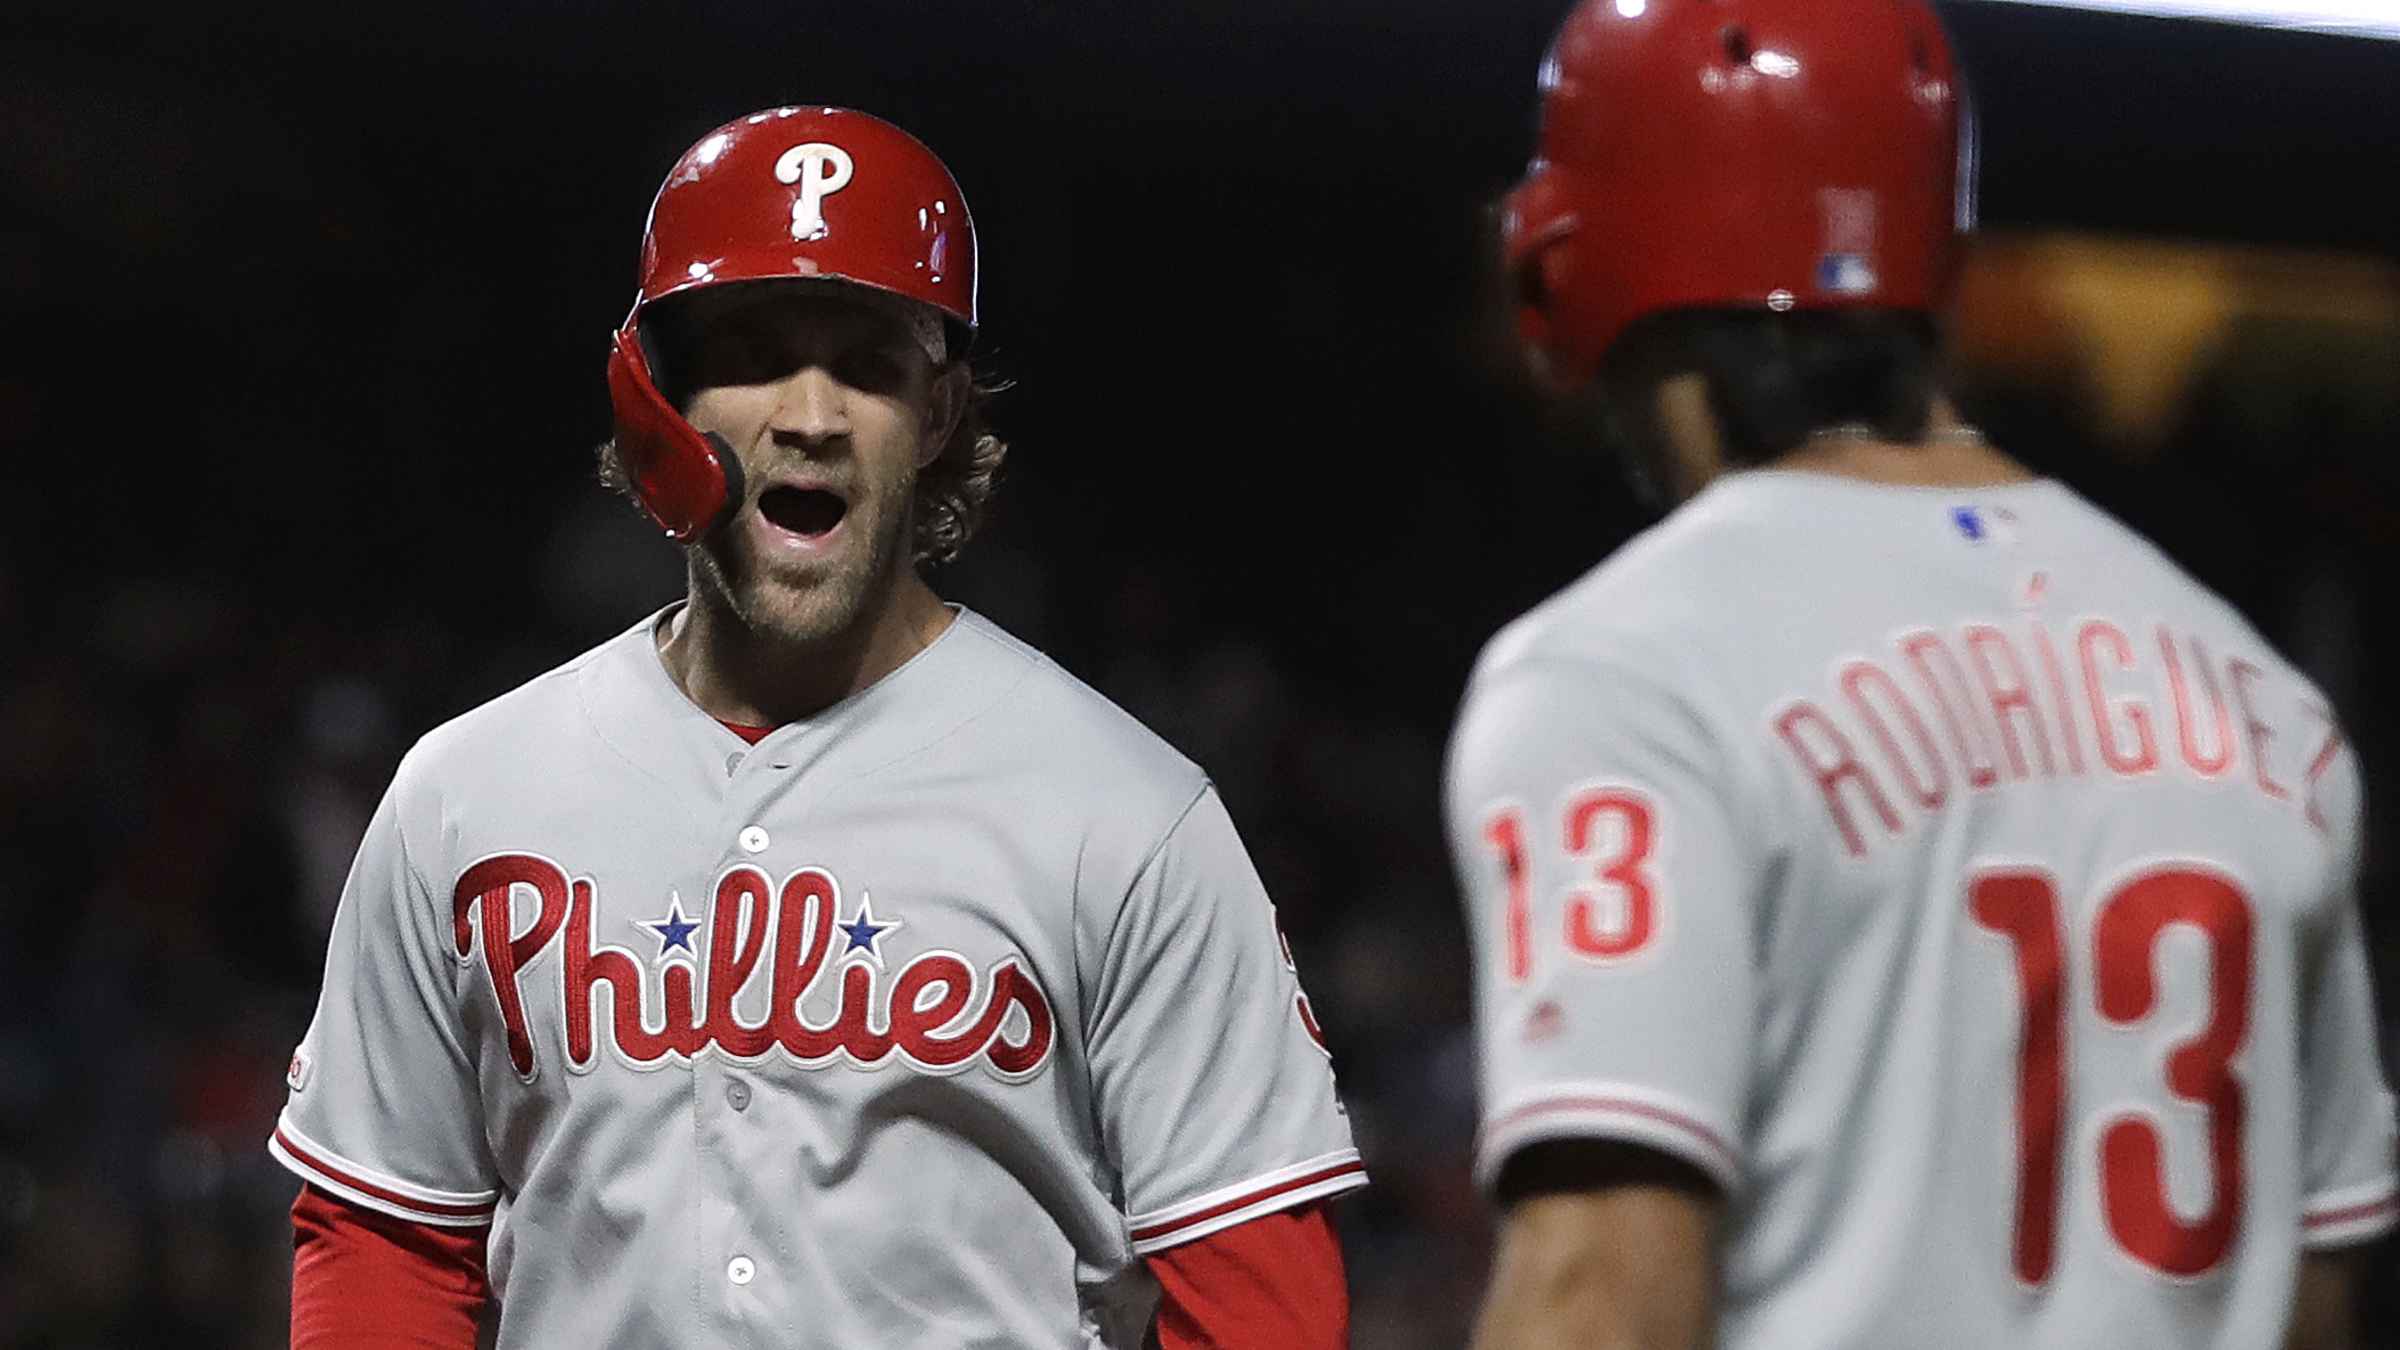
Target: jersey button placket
[(757, 837)]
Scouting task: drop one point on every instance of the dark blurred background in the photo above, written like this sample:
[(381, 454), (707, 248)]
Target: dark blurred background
[(304, 315)]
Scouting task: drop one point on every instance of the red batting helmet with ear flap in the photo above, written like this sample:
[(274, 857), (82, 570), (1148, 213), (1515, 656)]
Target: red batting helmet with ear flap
[(822, 194), (1771, 154)]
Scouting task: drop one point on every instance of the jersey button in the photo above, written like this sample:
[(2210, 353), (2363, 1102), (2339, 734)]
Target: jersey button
[(732, 762), (737, 1095), (753, 840), (740, 1270)]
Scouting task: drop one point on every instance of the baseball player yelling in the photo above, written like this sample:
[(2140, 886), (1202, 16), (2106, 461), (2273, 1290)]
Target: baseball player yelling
[(1909, 910), (813, 964)]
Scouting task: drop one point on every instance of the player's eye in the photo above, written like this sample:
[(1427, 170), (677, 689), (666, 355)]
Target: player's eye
[(742, 354), (875, 369)]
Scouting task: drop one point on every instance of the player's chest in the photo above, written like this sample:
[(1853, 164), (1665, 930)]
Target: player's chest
[(890, 931)]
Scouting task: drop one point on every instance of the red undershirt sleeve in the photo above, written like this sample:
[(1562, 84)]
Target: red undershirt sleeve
[(1272, 1283), (362, 1279)]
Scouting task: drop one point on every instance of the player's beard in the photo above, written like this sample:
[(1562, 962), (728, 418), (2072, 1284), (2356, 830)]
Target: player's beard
[(801, 609)]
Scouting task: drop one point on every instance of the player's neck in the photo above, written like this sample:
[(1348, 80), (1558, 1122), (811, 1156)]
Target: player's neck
[(736, 673), (1950, 454)]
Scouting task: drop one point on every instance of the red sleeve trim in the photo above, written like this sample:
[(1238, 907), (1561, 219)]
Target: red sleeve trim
[(384, 1193), (2374, 1210), (1608, 1115), (1315, 1179), (2351, 1214), (2344, 1217), (1561, 1105)]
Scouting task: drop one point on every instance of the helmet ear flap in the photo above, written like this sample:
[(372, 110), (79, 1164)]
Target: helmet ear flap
[(1532, 264), (684, 480)]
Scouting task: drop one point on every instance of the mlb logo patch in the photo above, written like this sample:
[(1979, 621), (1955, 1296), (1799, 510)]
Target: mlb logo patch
[(297, 1074), (1845, 274), (1846, 258), (1984, 525)]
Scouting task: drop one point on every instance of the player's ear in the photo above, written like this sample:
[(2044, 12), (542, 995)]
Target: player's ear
[(953, 385)]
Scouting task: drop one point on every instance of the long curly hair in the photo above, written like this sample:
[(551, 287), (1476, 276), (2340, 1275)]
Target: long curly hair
[(954, 492)]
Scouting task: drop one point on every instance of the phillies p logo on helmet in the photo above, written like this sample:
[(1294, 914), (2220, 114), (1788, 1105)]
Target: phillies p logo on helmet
[(820, 170)]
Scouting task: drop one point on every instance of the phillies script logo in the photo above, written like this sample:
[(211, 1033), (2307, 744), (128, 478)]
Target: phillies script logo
[(937, 1015)]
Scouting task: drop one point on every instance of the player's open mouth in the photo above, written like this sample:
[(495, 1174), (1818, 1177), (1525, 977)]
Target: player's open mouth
[(808, 513)]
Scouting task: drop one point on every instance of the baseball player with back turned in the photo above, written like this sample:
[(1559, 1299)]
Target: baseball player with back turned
[(1909, 911), (814, 964)]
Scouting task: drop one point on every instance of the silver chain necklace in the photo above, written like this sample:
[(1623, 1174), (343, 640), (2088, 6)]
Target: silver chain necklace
[(1961, 434)]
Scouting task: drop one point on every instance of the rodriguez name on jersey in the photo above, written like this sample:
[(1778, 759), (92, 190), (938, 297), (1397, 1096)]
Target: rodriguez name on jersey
[(937, 1013)]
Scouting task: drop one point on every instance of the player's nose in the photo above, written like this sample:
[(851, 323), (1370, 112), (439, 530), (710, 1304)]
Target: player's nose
[(811, 406)]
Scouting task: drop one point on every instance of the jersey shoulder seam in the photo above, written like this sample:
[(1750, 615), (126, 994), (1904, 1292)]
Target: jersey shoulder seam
[(1124, 902), (412, 779), (1158, 846)]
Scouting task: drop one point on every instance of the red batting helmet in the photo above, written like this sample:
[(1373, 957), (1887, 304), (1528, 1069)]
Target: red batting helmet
[(1776, 154), (810, 193)]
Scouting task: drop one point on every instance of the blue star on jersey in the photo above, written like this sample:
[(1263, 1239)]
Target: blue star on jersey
[(674, 930), (864, 932)]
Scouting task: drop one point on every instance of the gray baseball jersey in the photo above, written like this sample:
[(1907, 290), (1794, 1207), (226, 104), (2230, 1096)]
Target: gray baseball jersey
[(914, 1024), (1965, 889)]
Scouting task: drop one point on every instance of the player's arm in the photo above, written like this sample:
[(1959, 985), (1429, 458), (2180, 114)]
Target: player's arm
[(2325, 1307), (1602, 1246), (1274, 1283), (1214, 1093), (1607, 889), (363, 1279)]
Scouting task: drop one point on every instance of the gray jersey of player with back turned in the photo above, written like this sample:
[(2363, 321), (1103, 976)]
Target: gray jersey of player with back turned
[(914, 1024), (1961, 886)]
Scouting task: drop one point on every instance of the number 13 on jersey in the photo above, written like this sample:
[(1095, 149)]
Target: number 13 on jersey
[(2022, 905), (1610, 837)]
